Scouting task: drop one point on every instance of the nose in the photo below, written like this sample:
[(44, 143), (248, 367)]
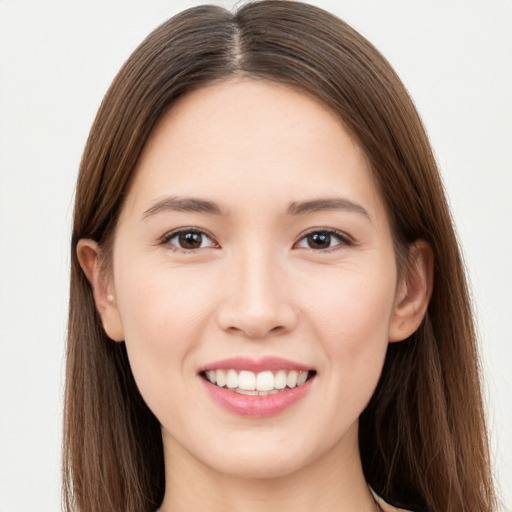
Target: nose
[(257, 301)]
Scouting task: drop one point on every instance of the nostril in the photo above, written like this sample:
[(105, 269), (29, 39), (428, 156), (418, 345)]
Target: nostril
[(257, 316), (277, 329)]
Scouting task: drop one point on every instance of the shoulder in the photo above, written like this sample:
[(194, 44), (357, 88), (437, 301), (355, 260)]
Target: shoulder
[(386, 507)]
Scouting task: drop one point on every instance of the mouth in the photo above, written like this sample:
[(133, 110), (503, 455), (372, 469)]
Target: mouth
[(263, 383), (257, 388)]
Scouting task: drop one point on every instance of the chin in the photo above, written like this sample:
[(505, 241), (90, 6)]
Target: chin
[(264, 458), (262, 467)]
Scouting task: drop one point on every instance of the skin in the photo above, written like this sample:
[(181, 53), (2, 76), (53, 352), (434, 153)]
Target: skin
[(257, 287)]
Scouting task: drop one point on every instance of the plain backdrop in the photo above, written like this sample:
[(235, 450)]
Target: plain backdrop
[(56, 62)]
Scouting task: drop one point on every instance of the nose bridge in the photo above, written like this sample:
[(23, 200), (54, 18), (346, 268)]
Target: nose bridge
[(256, 302), (257, 281)]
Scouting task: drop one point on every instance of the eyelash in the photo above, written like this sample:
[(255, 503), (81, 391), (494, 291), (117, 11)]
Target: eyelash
[(343, 239), (166, 239)]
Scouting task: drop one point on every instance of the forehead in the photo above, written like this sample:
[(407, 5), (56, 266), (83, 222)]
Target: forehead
[(253, 138)]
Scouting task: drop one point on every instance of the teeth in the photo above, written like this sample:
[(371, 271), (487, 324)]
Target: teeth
[(246, 391), (262, 383), (265, 381), (220, 378), (302, 378), (231, 379), (291, 380), (247, 381), (280, 380)]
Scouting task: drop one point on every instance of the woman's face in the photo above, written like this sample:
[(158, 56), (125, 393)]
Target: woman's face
[(253, 248)]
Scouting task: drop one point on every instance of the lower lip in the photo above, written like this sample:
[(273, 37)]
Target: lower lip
[(256, 406)]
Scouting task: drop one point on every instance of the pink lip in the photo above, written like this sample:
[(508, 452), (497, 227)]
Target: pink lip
[(256, 406), (255, 365)]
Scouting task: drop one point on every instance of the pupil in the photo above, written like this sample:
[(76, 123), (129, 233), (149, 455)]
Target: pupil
[(319, 240), (190, 240)]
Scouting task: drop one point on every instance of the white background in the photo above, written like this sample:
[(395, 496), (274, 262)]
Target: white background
[(56, 62)]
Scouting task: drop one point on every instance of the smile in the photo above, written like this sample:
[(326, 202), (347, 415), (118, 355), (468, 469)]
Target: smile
[(257, 388), (262, 383)]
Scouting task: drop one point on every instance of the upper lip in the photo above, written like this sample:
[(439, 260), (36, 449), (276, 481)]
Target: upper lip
[(255, 365)]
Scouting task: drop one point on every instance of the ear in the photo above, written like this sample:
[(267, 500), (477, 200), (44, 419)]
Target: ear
[(413, 292), (103, 290)]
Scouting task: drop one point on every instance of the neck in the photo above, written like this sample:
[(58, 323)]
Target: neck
[(332, 483)]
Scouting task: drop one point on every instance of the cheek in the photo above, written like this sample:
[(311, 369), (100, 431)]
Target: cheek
[(353, 302), (163, 312), (351, 318), (160, 304), (351, 321)]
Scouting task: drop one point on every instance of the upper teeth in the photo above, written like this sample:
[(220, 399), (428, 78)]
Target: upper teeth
[(246, 380)]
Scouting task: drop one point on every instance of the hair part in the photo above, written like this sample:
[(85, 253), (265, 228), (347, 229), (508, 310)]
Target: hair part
[(422, 436)]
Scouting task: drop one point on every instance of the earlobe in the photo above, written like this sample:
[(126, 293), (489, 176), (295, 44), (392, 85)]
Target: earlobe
[(88, 256), (413, 292)]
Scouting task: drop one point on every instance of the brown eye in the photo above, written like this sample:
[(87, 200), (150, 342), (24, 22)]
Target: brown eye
[(192, 240), (323, 239), (320, 240), (188, 240)]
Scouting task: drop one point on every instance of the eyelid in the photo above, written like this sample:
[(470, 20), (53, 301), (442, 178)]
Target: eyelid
[(344, 238), (165, 239)]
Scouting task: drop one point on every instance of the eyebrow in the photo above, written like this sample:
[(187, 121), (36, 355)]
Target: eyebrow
[(195, 205), (326, 204), (183, 204)]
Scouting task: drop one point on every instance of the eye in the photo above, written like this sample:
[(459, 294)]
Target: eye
[(323, 239), (188, 239)]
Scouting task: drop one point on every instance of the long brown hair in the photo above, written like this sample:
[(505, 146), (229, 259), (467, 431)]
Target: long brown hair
[(422, 437)]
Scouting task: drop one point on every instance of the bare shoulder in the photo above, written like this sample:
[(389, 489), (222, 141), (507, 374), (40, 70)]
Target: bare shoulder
[(389, 508), (386, 507)]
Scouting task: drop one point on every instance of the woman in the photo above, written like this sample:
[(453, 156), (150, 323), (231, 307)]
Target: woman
[(268, 306)]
